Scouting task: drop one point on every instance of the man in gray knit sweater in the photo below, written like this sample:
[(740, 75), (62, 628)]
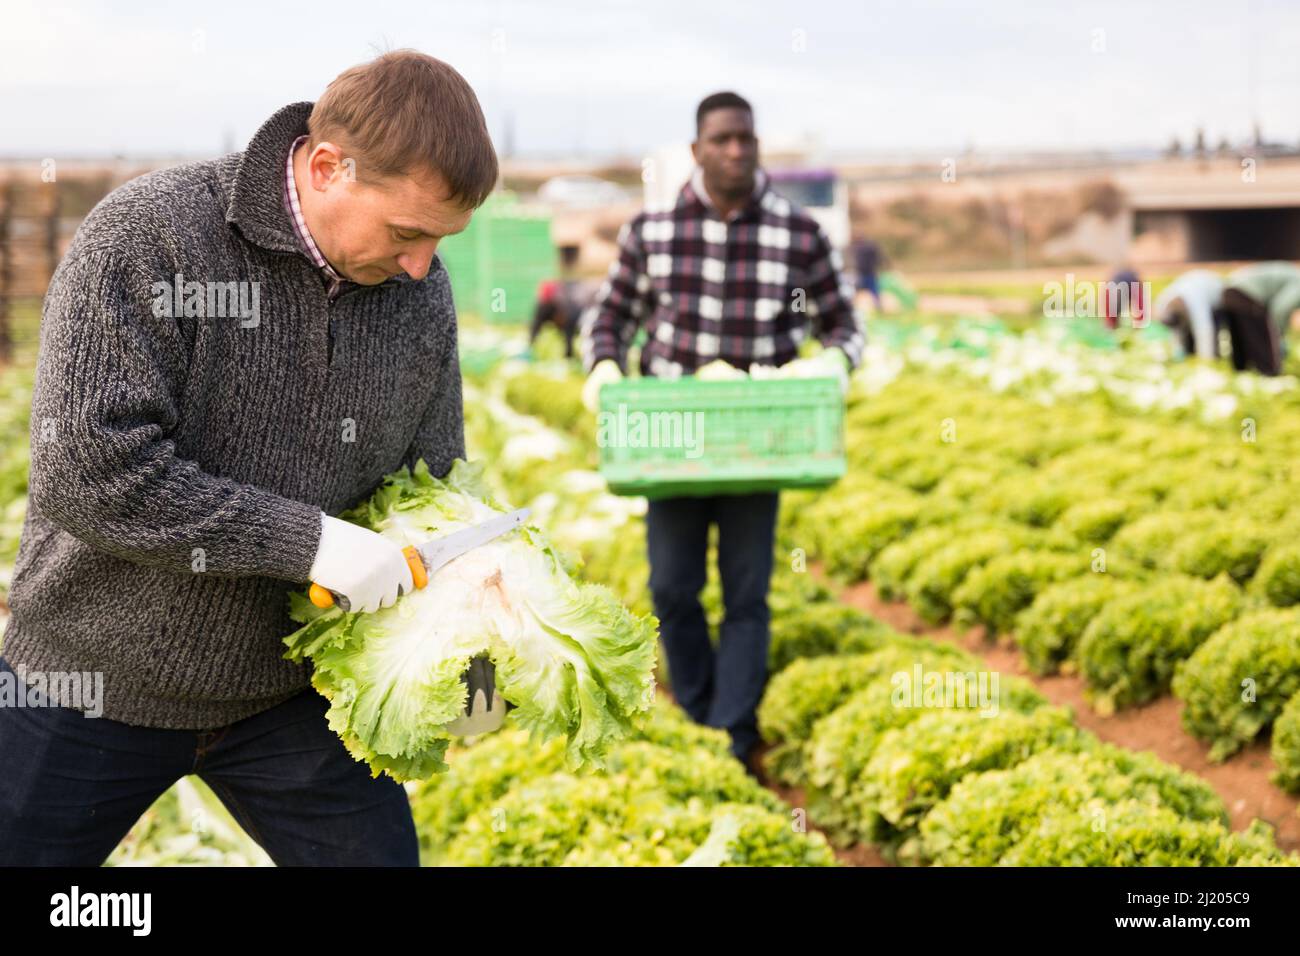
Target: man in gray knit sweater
[(232, 351)]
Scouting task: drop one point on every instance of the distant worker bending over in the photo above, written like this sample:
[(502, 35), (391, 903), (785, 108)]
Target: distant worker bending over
[(1258, 301), (1188, 306)]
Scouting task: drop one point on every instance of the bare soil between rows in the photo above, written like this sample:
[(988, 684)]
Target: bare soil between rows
[(859, 854)]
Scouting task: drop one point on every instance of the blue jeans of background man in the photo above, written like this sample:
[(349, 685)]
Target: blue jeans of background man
[(722, 687), (72, 786)]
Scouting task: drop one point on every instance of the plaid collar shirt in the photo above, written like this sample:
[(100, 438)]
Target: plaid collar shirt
[(334, 282), (748, 289)]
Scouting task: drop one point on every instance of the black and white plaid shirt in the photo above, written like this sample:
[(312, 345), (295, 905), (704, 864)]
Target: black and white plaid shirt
[(746, 289)]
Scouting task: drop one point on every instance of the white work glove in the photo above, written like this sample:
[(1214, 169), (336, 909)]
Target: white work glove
[(606, 372), (362, 565)]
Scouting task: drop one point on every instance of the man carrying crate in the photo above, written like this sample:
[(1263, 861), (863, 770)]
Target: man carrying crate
[(734, 272)]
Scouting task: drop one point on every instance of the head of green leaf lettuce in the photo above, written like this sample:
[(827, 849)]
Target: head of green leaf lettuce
[(569, 656)]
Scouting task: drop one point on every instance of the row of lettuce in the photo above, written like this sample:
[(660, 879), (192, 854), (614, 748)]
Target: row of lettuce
[(1144, 554), (672, 796), (976, 769), (970, 779)]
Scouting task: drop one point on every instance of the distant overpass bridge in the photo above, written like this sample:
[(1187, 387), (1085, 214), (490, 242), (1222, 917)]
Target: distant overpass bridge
[(1216, 211)]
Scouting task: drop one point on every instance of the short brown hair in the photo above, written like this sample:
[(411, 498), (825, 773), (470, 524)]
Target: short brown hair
[(404, 110)]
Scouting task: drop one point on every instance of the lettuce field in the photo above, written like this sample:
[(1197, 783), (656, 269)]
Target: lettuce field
[(1106, 545)]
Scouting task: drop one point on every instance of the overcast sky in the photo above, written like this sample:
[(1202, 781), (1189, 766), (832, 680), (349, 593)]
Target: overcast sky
[(187, 78)]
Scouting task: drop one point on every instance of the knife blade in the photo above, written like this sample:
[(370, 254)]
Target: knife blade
[(438, 551), (425, 559)]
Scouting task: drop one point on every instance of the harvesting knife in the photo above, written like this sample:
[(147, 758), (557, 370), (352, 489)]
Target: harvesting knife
[(425, 559)]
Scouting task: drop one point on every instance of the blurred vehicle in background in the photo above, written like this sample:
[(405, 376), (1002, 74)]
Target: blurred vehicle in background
[(664, 173), (823, 194)]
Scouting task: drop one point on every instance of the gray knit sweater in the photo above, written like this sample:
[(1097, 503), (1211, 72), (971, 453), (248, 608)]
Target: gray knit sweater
[(180, 463)]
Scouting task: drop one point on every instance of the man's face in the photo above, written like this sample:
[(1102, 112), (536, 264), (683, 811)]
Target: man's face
[(373, 230), (727, 151)]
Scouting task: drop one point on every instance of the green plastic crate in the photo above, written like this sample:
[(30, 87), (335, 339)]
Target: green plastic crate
[(749, 435)]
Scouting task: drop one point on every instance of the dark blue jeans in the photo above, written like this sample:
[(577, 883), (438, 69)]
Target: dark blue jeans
[(719, 688), (72, 786)]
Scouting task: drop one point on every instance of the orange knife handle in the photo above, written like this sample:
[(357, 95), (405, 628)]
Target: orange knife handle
[(321, 596), (418, 574)]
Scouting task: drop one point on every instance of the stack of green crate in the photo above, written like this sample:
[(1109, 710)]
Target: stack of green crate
[(496, 264)]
